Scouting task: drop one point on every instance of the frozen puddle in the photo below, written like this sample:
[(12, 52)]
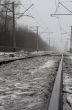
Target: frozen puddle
[(48, 64)]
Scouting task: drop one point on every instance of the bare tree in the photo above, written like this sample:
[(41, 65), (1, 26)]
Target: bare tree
[(6, 12)]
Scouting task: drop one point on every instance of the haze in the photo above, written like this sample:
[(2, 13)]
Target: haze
[(50, 28)]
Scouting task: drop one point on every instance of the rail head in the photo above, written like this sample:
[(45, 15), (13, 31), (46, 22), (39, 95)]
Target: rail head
[(56, 93)]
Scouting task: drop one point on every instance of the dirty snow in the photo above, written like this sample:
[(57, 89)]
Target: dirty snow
[(68, 88), (67, 83), (70, 57), (22, 90), (48, 64)]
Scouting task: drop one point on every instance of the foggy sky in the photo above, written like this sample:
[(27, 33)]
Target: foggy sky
[(41, 12)]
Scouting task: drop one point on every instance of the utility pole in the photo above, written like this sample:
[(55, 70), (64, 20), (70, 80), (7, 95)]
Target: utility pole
[(49, 43), (64, 14), (53, 44), (13, 17), (6, 22), (71, 41), (67, 44), (14, 39), (36, 30), (37, 37), (50, 39)]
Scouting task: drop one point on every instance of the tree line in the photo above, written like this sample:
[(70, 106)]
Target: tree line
[(25, 39)]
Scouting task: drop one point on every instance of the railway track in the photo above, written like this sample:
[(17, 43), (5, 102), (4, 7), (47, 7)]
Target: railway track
[(61, 97), (56, 97), (37, 81), (11, 59), (27, 83)]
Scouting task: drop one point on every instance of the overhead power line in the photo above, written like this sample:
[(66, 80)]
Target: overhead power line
[(65, 7), (70, 12), (21, 14)]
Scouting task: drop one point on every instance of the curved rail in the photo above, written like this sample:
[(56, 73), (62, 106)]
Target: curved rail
[(55, 101)]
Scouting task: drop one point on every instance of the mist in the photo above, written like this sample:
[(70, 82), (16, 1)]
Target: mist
[(41, 11)]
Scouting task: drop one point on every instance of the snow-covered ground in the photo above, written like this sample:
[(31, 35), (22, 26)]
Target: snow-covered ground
[(23, 53), (27, 84), (6, 56), (68, 87), (70, 57), (67, 83)]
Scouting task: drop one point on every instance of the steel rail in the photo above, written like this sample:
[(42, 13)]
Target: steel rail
[(55, 101), (11, 59)]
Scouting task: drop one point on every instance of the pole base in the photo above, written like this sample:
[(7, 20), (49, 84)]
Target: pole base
[(14, 49), (70, 50)]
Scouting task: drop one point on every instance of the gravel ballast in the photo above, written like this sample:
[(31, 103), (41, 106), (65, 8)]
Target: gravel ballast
[(27, 84)]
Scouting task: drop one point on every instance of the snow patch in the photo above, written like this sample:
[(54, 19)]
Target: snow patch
[(68, 87), (48, 64), (69, 98), (22, 86), (70, 57)]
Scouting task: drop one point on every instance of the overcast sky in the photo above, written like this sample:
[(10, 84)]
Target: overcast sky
[(41, 11)]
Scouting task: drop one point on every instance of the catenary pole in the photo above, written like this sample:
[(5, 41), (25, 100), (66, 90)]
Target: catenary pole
[(14, 39), (37, 38)]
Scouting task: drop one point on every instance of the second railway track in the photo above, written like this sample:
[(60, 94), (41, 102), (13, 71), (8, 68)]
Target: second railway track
[(61, 97)]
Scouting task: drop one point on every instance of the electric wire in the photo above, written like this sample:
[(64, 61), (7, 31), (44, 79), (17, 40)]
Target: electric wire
[(32, 16), (29, 14), (58, 18), (39, 18), (65, 7)]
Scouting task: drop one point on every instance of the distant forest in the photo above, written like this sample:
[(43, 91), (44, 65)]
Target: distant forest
[(25, 39)]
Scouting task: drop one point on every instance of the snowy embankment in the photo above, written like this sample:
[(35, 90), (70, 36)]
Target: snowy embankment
[(67, 83), (27, 84), (22, 54)]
